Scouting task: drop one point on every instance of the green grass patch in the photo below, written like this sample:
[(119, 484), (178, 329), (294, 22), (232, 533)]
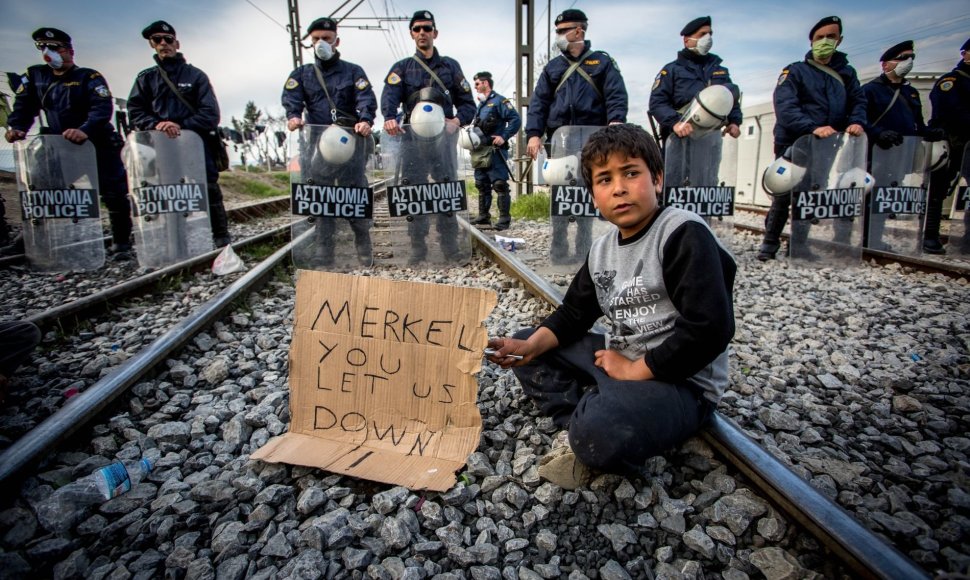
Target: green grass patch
[(253, 186), (259, 251), (281, 177), (531, 207)]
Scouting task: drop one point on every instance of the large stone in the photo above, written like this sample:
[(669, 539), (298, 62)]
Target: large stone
[(777, 564)]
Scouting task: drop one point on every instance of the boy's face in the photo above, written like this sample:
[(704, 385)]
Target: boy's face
[(625, 192)]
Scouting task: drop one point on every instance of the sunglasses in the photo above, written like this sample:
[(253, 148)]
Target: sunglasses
[(166, 38), (51, 45), (422, 28), (565, 30), (905, 57)]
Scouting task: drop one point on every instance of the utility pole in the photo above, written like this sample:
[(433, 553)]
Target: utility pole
[(524, 83), (294, 27)]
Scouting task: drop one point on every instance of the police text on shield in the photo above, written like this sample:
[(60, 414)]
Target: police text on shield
[(332, 201), (828, 204), (59, 203), (572, 200), (899, 200), (427, 198), (704, 201), (175, 198)]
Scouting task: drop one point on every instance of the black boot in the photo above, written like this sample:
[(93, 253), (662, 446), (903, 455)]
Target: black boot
[(774, 224), (484, 206), (218, 218), (15, 247), (120, 232)]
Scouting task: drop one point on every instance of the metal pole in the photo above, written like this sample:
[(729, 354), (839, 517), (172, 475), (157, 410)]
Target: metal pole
[(294, 28), (524, 82)]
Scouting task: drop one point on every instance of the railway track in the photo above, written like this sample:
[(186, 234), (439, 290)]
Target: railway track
[(864, 553)]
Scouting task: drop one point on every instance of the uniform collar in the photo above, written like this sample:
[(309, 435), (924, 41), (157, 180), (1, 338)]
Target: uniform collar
[(688, 54), (330, 63), (434, 55), (173, 62), (839, 60)]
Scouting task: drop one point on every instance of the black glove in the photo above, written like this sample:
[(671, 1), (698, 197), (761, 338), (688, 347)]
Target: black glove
[(889, 138), (932, 135)]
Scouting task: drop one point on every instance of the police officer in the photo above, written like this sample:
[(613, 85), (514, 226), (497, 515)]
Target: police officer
[(77, 104), (678, 82), (894, 110), (818, 96), (152, 104), (426, 76), (594, 96), (333, 91), (498, 120), (950, 98)]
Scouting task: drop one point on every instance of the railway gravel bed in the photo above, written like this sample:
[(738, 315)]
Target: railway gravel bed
[(855, 377)]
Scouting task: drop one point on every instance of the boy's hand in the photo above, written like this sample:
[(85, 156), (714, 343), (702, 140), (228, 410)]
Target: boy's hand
[(508, 346), (616, 366)]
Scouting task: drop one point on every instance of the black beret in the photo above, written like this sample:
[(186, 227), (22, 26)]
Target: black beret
[(325, 23), (571, 15), (157, 27), (483, 75), (825, 22), (51, 35), (695, 24), (893, 51), (966, 45), (421, 15)]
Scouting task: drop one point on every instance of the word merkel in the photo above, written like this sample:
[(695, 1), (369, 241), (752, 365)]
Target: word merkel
[(427, 198), (332, 201), (59, 203), (176, 198)]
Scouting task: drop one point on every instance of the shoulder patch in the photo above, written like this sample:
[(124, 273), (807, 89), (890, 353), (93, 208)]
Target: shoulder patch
[(656, 83), (509, 104), (782, 77), (465, 86), (946, 84), (95, 75), (393, 79), (362, 84), (102, 91), (20, 89), (291, 84)]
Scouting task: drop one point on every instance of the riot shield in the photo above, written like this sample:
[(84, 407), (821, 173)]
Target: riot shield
[(425, 193), (329, 187), (897, 203), (574, 220), (58, 186), (700, 175), (169, 197), (826, 206), (959, 223)]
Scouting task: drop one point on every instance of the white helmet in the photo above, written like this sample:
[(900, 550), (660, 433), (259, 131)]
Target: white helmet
[(428, 119), (470, 137), (561, 170), (938, 153), (140, 157), (336, 145), (711, 107), (781, 176), (856, 178)]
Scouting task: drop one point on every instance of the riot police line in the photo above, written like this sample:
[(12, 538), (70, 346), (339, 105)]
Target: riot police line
[(168, 198)]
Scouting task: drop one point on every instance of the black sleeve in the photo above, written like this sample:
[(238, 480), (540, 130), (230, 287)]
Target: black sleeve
[(579, 309), (699, 276)]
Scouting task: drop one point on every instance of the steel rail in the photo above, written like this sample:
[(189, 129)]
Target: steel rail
[(61, 316), (863, 551), (81, 408)]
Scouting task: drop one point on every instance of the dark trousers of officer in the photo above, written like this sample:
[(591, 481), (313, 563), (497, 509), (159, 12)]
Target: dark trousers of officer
[(17, 339), (113, 182), (218, 218), (941, 184), (424, 162), (494, 178), (350, 174), (613, 425)]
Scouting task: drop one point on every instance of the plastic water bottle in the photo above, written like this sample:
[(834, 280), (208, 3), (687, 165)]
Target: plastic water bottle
[(68, 505)]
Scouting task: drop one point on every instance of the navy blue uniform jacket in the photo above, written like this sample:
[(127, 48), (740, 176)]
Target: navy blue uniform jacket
[(906, 115), (807, 98), (351, 91), (407, 77), (498, 116), (78, 99), (678, 82), (951, 103), (152, 101), (577, 103)]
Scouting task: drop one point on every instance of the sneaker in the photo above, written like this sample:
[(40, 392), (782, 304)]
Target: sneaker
[(561, 467), (221, 241), (933, 246)]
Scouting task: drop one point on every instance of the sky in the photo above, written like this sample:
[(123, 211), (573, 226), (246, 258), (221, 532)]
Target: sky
[(244, 48)]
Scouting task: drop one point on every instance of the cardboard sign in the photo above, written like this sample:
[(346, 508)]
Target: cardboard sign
[(382, 379)]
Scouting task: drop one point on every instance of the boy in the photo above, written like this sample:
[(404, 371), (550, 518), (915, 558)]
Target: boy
[(666, 284)]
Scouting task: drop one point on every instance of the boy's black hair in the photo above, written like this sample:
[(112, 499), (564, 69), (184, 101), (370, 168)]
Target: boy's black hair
[(626, 139)]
